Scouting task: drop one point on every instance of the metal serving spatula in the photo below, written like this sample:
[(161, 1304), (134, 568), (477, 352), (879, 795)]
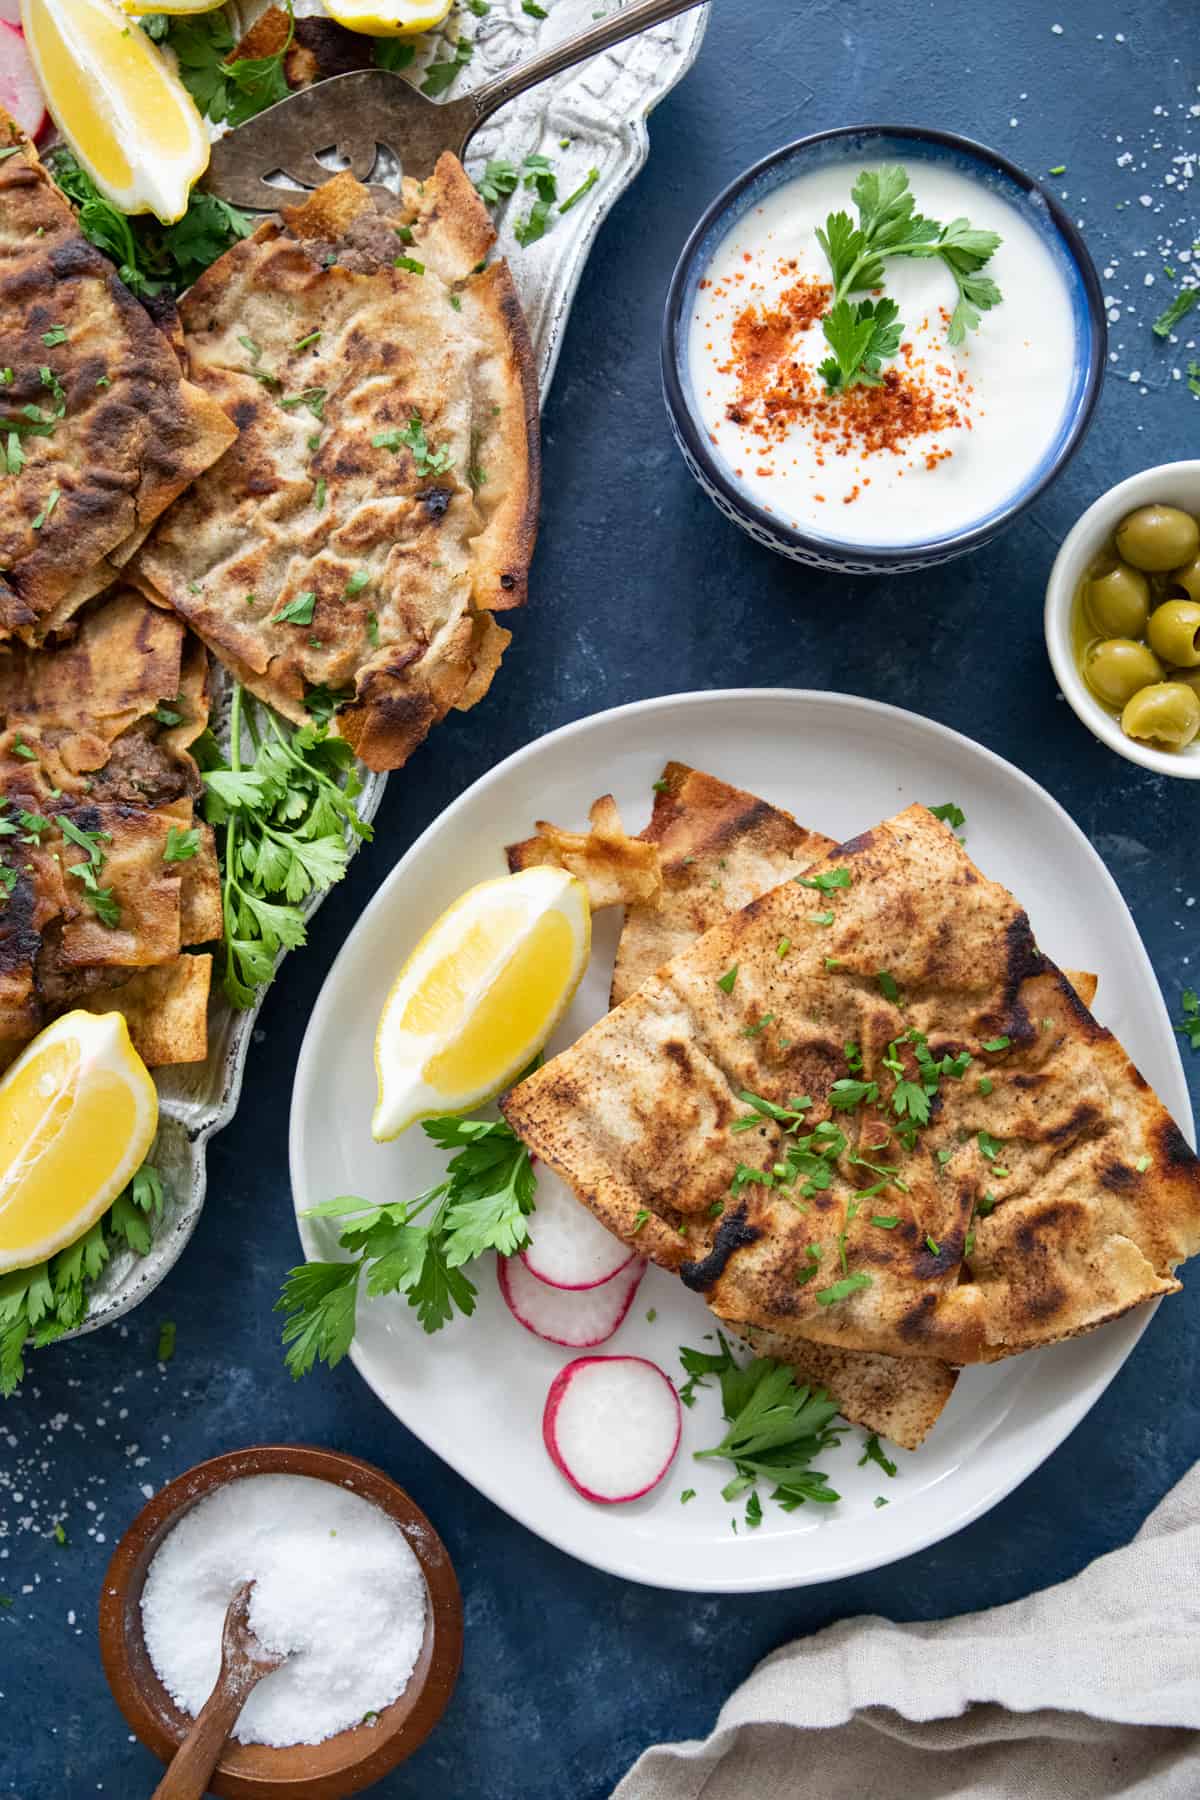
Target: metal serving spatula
[(370, 111)]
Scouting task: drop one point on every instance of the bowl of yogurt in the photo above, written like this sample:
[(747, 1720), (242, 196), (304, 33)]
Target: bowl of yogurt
[(883, 401)]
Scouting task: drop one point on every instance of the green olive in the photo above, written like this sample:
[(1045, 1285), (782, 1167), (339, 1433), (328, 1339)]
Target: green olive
[(1117, 668), (1188, 678), (1158, 538), (1174, 633), (1167, 714), (1118, 601), (1188, 578)]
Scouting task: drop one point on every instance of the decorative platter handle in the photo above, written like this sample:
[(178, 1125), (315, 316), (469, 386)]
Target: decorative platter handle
[(627, 23)]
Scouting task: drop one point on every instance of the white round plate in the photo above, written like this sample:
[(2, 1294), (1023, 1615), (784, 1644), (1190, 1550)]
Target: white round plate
[(474, 1392)]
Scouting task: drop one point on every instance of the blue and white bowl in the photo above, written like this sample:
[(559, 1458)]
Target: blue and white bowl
[(853, 145)]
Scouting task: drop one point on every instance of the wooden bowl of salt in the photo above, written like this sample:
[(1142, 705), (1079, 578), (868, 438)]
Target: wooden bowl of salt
[(353, 1758)]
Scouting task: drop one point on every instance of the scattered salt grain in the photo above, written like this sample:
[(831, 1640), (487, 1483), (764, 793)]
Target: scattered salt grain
[(336, 1585)]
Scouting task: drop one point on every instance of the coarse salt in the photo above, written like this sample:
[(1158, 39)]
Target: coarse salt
[(336, 1585)]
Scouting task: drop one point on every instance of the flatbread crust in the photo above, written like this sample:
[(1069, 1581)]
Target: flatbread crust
[(124, 433), (616, 870), (392, 556), (1095, 1204), (94, 730)]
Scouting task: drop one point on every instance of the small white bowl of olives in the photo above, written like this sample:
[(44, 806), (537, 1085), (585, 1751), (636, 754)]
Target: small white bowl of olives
[(1123, 619)]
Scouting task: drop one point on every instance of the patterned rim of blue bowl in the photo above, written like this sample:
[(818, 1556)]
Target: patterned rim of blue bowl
[(829, 551)]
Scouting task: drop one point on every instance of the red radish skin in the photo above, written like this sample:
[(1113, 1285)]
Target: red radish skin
[(577, 1320), (10, 13), (567, 1247), (20, 91), (612, 1426)]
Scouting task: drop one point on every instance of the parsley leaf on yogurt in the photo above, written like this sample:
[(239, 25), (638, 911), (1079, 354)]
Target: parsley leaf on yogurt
[(863, 334)]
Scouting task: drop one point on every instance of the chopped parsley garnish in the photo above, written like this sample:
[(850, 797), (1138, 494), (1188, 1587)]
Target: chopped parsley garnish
[(847, 1094), (1189, 1026), (498, 180), (100, 899), (181, 845), (997, 1043), (311, 397), (874, 1452), (413, 1247), (1143, 1163), (357, 582), (783, 946), (863, 334), (319, 494), (1176, 312), (440, 75), (841, 1290), (885, 1221), (887, 987), (298, 611), (826, 883), (165, 1348), (725, 982), (985, 1085), (409, 264), (932, 1245), (412, 437), (640, 1218), (831, 963), (304, 342), (52, 500), (808, 1269), (225, 91), (984, 1205), (820, 918), (989, 1146), (585, 187), (21, 748), (56, 335), (775, 1428), (753, 1511), (687, 1494), (950, 814), (373, 629), (757, 1029)]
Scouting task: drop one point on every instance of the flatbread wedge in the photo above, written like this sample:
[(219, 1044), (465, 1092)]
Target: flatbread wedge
[(379, 507), (99, 430), (721, 848), (106, 874), (616, 869), (1047, 1191)]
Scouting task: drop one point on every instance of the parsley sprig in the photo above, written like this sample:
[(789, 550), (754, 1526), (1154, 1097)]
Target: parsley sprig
[(150, 258), (775, 1427), (38, 1305), (225, 91), (863, 334), (1189, 1026), (413, 1247), (283, 822)]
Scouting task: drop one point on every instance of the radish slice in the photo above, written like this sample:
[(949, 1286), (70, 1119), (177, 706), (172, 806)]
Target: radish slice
[(563, 1317), (567, 1247), (612, 1425), (20, 92), (10, 13)]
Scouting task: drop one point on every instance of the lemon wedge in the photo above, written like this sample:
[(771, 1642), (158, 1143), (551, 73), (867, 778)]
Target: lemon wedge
[(388, 18), (78, 1112), (479, 996), (118, 102), (176, 8)]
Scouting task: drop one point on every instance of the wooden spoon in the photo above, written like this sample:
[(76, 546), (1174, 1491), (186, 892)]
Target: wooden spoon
[(244, 1662)]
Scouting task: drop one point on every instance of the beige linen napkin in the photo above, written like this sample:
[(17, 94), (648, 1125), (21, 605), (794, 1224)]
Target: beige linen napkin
[(1084, 1692)]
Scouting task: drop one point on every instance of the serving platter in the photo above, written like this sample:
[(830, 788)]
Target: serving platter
[(602, 107), (475, 1391)]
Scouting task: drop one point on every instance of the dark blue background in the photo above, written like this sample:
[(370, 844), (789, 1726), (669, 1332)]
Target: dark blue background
[(640, 588)]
